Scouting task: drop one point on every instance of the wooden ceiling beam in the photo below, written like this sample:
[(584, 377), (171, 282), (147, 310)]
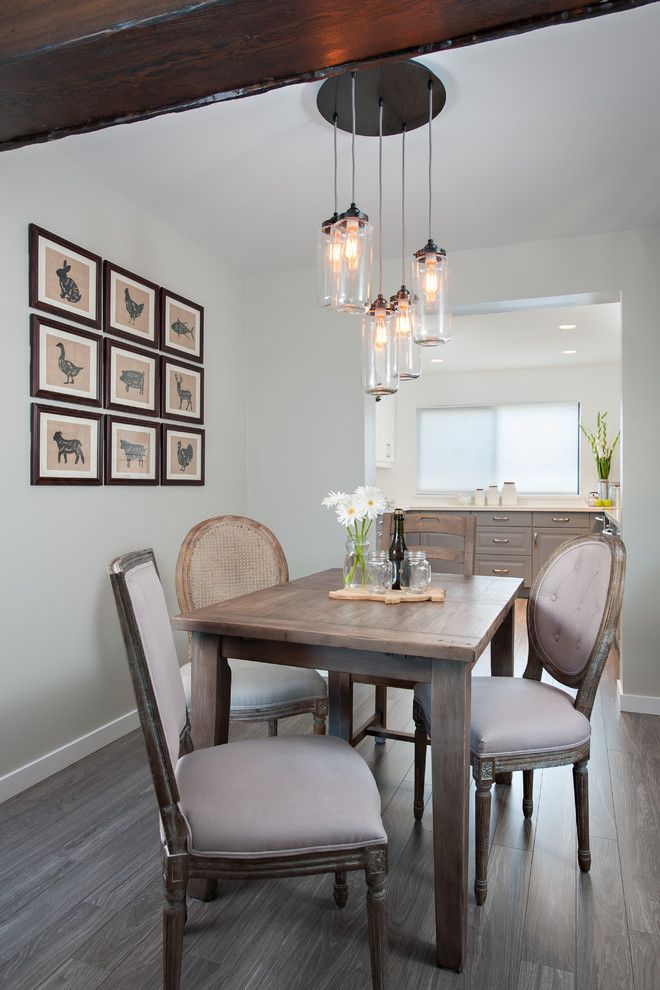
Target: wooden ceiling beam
[(86, 64)]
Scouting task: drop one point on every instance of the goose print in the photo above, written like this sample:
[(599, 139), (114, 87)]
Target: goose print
[(68, 368)]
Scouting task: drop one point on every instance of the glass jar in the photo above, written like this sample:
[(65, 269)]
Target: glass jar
[(352, 287), (415, 571), (355, 563), (431, 292), (380, 571)]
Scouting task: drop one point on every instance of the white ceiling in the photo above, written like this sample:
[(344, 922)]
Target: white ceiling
[(548, 134), (530, 338)]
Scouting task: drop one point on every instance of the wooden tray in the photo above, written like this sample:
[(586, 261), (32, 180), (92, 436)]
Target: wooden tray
[(389, 597)]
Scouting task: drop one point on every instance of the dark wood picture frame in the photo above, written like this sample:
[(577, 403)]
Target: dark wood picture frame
[(36, 323), (62, 412), (167, 428), (165, 344), (143, 424), (63, 310), (125, 332), (189, 369), (125, 407)]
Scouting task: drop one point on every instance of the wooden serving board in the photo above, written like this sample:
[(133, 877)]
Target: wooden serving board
[(389, 597)]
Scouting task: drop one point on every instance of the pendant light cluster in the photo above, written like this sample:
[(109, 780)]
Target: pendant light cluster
[(394, 331)]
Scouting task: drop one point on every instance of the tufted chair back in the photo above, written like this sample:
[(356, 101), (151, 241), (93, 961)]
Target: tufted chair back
[(574, 607)]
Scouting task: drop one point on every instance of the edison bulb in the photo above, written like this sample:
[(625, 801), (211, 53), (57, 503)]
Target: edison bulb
[(403, 319), (334, 251), (380, 329), (352, 245), (430, 282)]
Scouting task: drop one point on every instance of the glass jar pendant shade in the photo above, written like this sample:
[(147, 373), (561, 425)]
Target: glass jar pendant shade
[(352, 287), (327, 245), (409, 353)]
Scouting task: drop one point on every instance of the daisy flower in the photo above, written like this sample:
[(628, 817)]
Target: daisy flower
[(372, 500), (333, 499), (349, 512)]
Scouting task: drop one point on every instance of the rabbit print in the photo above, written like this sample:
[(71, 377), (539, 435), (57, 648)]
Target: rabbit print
[(68, 288)]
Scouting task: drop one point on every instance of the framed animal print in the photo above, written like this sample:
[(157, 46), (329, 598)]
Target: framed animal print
[(182, 391), (132, 452), (64, 279), (65, 363), (131, 379), (183, 455), (181, 327), (66, 446), (130, 306)]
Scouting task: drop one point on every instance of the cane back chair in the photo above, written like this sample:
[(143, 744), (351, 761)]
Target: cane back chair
[(223, 558), (255, 808), (522, 724)]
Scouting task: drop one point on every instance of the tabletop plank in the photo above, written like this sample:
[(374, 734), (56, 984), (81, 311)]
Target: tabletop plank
[(300, 611)]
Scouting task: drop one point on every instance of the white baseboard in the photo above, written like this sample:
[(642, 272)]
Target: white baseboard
[(643, 704), (45, 766)]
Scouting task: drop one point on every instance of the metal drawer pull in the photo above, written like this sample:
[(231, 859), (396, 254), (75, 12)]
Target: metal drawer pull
[(500, 539), (500, 518), (561, 518), (500, 570)]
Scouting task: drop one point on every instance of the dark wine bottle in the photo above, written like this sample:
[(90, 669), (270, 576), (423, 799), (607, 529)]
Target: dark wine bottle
[(398, 547)]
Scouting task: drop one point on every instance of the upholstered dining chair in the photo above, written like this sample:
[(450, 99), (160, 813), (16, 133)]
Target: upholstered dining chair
[(255, 808), (223, 558), (457, 542), (518, 723)]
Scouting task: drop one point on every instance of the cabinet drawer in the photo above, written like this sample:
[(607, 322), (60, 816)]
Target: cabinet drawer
[(562, 520), (502, 517), (505, 540), (501, 566)]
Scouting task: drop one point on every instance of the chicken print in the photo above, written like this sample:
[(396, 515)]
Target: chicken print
[(68, 368), (133, 308), (184, 455)]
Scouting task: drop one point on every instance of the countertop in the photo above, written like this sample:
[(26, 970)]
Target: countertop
[(523, 505)]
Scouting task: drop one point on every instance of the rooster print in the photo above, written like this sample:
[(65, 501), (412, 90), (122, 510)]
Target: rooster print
[(68, 287), (68, 368), (184, 455), (133, 308)]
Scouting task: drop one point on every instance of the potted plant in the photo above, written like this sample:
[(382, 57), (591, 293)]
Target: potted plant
[(602, 450)]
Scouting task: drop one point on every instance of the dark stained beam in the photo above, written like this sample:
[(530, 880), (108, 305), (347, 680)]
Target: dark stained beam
[(84, 64)]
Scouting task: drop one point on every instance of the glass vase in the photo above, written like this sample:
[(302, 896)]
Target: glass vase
[(355, 563)]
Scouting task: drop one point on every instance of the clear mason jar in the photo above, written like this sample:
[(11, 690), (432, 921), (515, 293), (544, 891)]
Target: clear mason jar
[(415, 571), (355, 563), (380, 571)]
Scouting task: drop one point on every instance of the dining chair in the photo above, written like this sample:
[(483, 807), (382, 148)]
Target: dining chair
[(226, 557), (457, 542), (255, 808), (519, 723)]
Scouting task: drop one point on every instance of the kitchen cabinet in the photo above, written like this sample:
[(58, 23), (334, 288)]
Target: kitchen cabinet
[(385, 432)]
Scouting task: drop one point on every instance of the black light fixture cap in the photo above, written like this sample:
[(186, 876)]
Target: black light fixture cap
[(380, 302), (355, 213), (430, 248), (330, 222)]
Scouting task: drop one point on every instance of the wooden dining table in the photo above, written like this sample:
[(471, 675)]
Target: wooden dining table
[(297, 624)]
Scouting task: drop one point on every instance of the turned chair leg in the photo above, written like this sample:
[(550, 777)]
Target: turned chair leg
[(420, 760), (272, 726), (581, 789), (320, 716), (174, 919), (340, 892), (380, 709), (376, 874), (481, 835), (528, 793)]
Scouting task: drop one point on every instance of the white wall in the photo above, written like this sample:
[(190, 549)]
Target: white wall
[(64, 669), (596, 387)]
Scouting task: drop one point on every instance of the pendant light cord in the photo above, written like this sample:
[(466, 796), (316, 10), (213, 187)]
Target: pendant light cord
[(430, 149), (380, 195), (403, 203), (353, 77), (335, 119)]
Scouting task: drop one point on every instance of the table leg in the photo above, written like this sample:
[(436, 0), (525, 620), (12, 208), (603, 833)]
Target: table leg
[(501, 664), (450, 765), (340, 697), (211, 700)]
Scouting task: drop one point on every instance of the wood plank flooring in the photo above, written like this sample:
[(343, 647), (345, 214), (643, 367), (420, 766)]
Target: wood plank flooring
[(80, 888)]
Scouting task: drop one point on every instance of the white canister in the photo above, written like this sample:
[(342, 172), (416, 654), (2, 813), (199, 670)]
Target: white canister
[(479, 496), (509, 493), (493, 496)]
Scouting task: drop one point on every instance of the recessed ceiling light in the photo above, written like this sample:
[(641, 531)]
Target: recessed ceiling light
[(437, 360), (569, 352), (568, 326)]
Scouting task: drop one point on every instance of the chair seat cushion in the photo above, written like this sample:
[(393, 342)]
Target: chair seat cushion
[(260, 685), (514, 716), (284, 795)]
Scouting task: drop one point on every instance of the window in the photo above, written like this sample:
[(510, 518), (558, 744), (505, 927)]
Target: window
[(535, 444)]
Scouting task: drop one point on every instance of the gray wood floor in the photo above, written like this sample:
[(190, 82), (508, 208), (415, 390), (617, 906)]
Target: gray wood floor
[(80, 891)]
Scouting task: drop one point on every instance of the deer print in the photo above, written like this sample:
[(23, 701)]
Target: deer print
[(68, 288), (185, 395)]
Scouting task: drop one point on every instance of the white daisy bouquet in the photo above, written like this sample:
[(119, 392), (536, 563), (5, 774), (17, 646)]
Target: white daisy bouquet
[(356, 512)]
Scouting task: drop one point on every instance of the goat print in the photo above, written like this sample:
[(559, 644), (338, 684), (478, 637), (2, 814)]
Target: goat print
[(68, 445)]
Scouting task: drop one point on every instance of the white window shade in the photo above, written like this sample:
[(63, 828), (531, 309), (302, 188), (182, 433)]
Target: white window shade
[(467, 447)]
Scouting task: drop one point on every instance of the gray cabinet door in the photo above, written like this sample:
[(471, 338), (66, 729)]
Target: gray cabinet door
[(546, 541)]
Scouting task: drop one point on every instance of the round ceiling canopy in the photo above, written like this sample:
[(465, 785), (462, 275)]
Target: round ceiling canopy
[(403, 87)]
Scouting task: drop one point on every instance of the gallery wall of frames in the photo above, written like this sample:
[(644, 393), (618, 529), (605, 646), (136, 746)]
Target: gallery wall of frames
[(129, 358)]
